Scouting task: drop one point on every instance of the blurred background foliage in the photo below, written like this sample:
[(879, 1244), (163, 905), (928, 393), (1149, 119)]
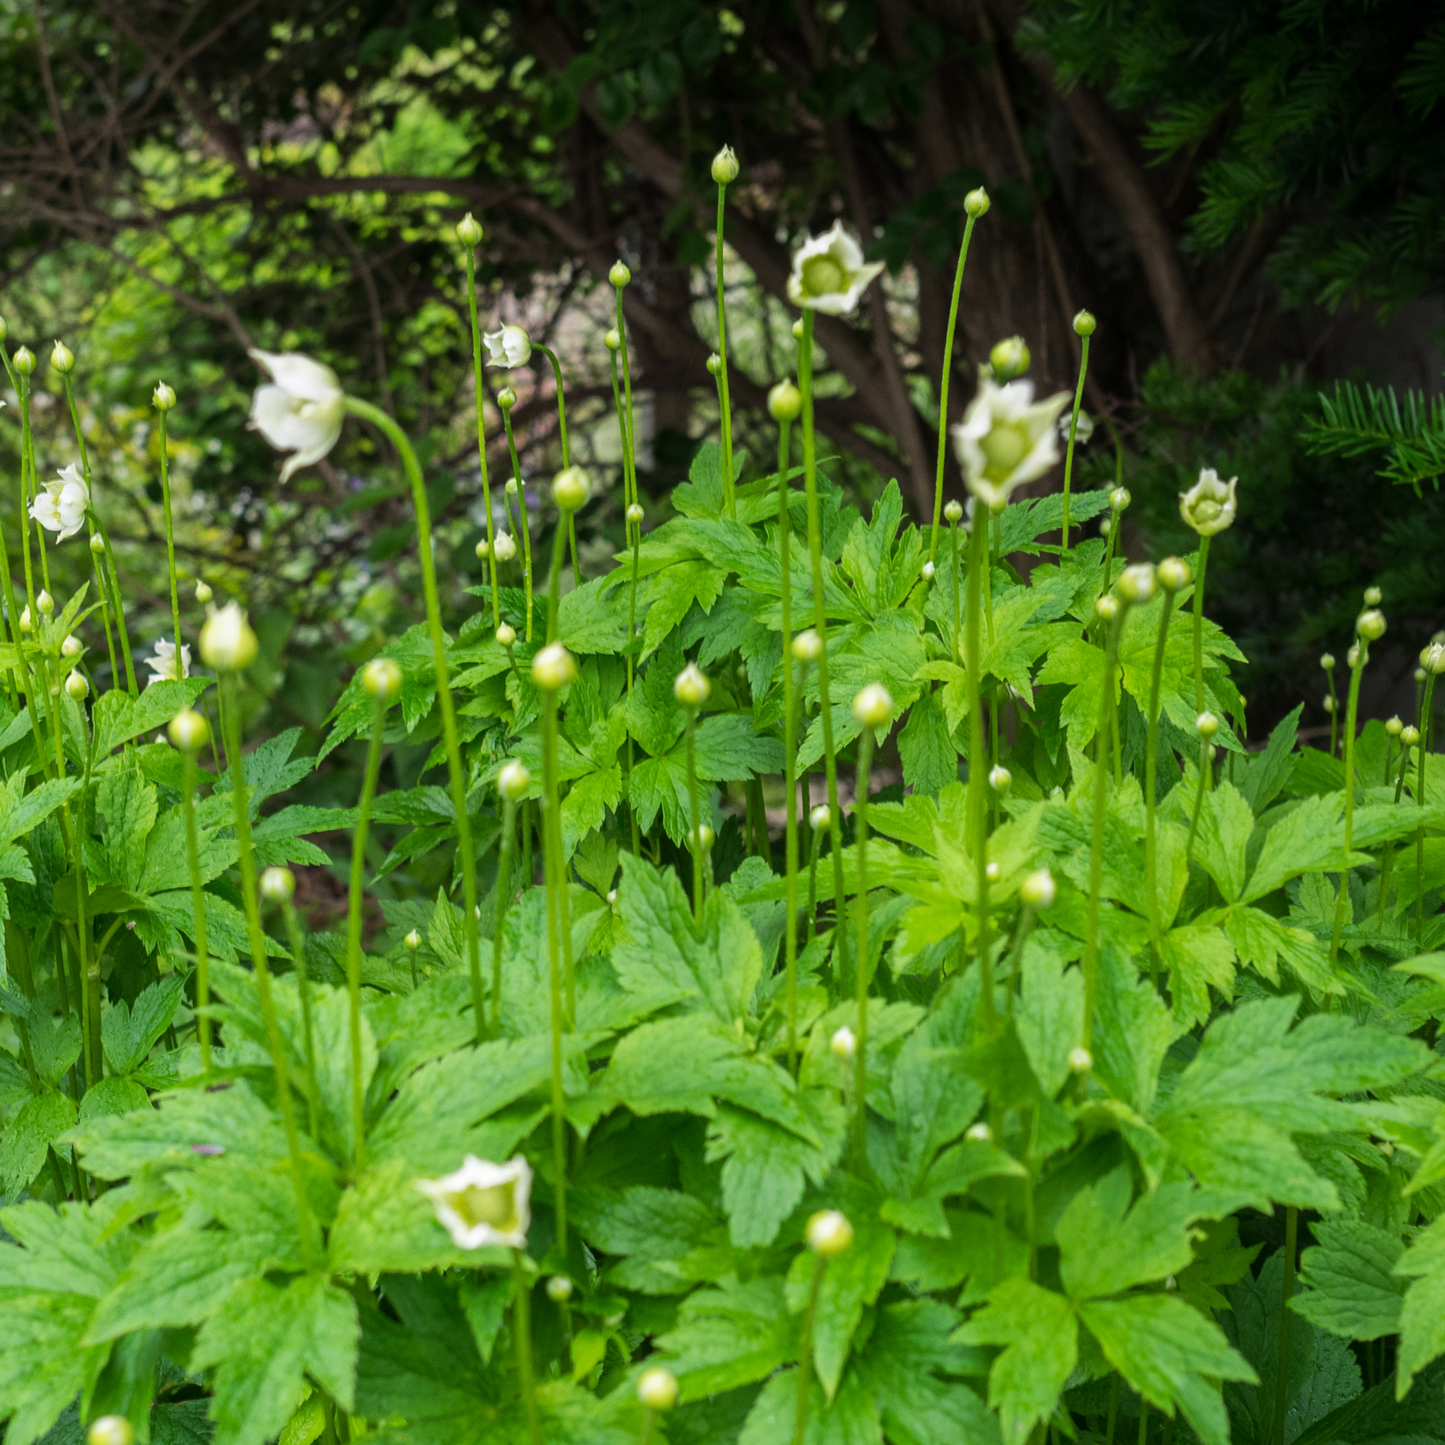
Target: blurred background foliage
[(1251, 198)]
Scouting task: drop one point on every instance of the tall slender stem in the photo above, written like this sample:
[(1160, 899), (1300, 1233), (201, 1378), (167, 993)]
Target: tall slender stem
[(353, 925), (170, 536), (1427, 715), (198, 906), (303, 990), (120, 625), (1101, 804), (504, 890), (482, 429), (724, 405), (522, 1336), (977, 757), (692, 795), (1073, 431), (1342, 897), (805, 1353), (790, 744), (257, 938), (525, 524), (1286, 1319), (561, 402), (1151, 787), (455, 767), (1389, 862), (945, 376), (554, 971), (1199, 624), (820, 626), (860, 1066)]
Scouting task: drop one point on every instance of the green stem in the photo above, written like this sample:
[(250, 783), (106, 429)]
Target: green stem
[(1286, 1320), (1390, 846), (943, 380), (1101, 802), (170, 539), (977, 770), (262, 969), (1199, 624), (524, 523), (1151, 789), (504, 890), (1073, 430), (1205, 773), (820, 626), (120, 625), (455, 768), (522, 1336), (957, 572), (1113, 1411), (482, 429), (860, 1071), (692, 795), (198, 907), (805, 1349), (100, 591), (353, 927), (630, 434), (554, 972), (724, 407), (790, 745), (1427, 709), (1334, 714), (1342, 897), (561, 402), (303, 990)]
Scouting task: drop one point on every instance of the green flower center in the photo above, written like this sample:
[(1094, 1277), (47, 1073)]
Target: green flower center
[(823, 276), (1005, 446), (495, 1206)]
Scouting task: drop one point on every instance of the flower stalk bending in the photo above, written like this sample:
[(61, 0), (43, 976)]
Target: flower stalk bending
[(1084, 325), (189, 731)]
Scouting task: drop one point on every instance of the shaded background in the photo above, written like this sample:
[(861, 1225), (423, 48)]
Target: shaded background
[(1250, 197)]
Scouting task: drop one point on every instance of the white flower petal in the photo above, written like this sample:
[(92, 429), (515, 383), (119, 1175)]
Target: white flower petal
[(299, 375)]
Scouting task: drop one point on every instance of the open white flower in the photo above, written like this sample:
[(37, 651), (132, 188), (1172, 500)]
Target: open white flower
[(300, 410), (62, 506), (1006, 438), (511, 346), (162, 662), (1209, 505), (829, 273), (484, 1203)]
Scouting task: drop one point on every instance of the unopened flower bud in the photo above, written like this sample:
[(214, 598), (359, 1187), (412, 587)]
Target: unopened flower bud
[(953, 512), (992, 872), (46, 603), (714, 364), (873, 705), (97, 543), (504, 548), (513, 780), (635, 513), (829, 1233), (1084, 323), (62, 358), (1328, 703), (844, 1044), (1107, 608), (76, 685), (999, 778), (1327, 661), (110, 1430), (506, 634), (1370, 624), (807, 646), (691, 687), (506, 398), (1119, 499), (612, 339), (1038, 890), (1432, 657), (798, 329), (725, 166), (1080, 1061), (559, 1289), (705, 837), (381, 677), (469, 230), (929, 571), (189, 731), (619, 275), (570, 489), (412, 941), (657, 1389), (1009, 358), (1136, 583), (1174, 574), (820, 818), (203, 592), (27, 623), (278, 885), (483, 549), (1106, 526), (976, 203), (227, 641), (72, 646), (1206, 724), (163, 398), (979, 1133), (553, 668), (1394, 727), (1409, 735), (23, 360), (1353, 656), (785, 401), (1373, 596)]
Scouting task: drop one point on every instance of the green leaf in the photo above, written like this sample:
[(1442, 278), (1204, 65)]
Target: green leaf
[(1221, 843), (729, 1336), (1132, 1032), (1349, 1289), (666, 1241), (1171, 1355), (1105, 1251), (263, 1342), (1049, 1015), (129, 1032), (930, 760), (117, 717), (1198, 956), (38, 1123)]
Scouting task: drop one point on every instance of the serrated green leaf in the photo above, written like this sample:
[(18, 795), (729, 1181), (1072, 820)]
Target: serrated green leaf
[(1348, 1287)]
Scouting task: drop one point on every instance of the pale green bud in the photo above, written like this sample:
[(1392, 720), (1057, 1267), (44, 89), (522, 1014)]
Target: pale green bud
[(381, 677), (785, 401), (469, 230), (619, 275), (829, 1233), (725, 166), (163, 398), (1009, 358), (62, 358), (976, 203), (278, 885)]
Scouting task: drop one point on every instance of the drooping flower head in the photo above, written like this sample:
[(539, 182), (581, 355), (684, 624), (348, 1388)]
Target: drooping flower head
[(162, 662), (1006, 438), (1209, 505), (483, 1203), (62, 506), (511, 346), (829, 273), (300, 410)]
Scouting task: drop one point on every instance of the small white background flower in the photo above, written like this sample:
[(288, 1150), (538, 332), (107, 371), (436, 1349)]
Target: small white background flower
[(162, 662), (829, 273), (511, 346), (62, 506), (1209, 505), (300, 410), (483, 1203), (1006, 438)]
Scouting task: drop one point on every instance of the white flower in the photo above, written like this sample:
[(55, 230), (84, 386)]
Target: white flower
[(300, 410), (162, 663), (1209, 505), (1006, 438), (227, 641), (1083, 428), (62, 506), (511, 346), (829, 273), (484, 1203)]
